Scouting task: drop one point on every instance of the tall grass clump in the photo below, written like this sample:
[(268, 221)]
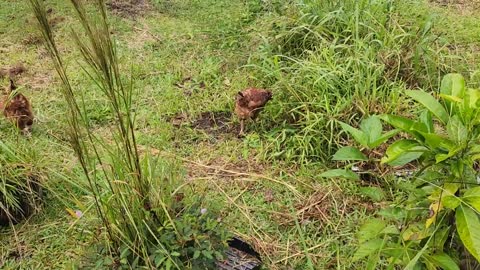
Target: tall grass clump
[(339, 60), (144, 224), (20, 187)]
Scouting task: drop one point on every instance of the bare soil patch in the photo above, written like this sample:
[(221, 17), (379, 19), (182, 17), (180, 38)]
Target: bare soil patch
[(12, 71), (129, 8), (213, 123), (33, 77), (55, 21), (31, 40)]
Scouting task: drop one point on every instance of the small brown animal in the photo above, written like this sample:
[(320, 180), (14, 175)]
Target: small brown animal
[(249, 103), (17, 108)]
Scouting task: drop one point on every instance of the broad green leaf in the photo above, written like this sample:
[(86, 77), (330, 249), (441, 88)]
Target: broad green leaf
[(402, 152), (453, 84), (451, 201), (426, 119), (436, 141), (412, 265), (472, 197), (474, 152), (392, 229), (415, 231), (405, 124), (456, 130), (370, 229), (349, 153), (452, 98), (384, 138), (442, 157), (457, 167), (358, 135), (372, 128), (340, 173), (440, 238), (395, 213), (426, 264), (376, 194), (475, 149), (458, 84), (196, 254), (366, 249), (443, 261), (430, 103), (446, 194), (469, 108), (399, 122), (468, 227), (427, 27), (473, 98), (394, 250), (372, 262), (207, 254), (475, 157)]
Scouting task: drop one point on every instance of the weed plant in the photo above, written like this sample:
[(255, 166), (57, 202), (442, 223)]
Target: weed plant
[(133, 195), (437, 213)]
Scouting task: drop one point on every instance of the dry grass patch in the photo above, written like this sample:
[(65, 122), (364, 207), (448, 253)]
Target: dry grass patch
[(464, 7)]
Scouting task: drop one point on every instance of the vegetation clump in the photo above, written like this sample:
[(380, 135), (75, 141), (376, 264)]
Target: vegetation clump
[(21, 192), (339, 60), (439, 211), (132, 194)]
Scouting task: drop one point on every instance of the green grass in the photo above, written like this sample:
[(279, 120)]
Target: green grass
[(265, 186)]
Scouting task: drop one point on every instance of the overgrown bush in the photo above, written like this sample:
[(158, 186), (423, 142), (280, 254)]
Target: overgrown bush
[(133, 194), (337, 60)]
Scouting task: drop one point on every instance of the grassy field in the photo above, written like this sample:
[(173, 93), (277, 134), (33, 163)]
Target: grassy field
[(324, 62)]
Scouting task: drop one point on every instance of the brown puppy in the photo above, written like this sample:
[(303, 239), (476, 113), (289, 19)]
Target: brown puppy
[(17, 109), (249, 103)]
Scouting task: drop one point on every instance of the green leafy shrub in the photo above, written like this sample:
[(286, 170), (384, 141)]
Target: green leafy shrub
[(441, 211), (369, 136), (200, 240), (194, 239)]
